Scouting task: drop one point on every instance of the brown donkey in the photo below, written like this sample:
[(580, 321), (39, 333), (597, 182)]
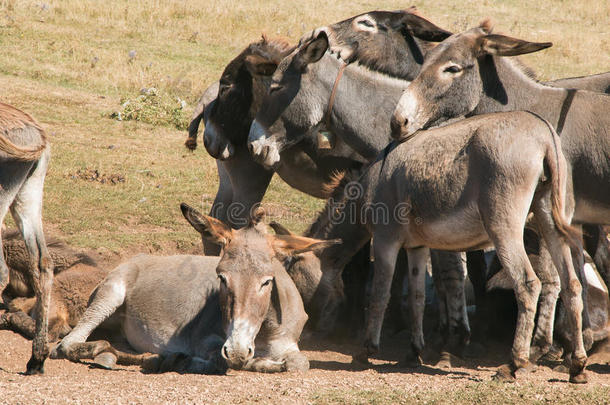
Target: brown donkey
[(24, 157)]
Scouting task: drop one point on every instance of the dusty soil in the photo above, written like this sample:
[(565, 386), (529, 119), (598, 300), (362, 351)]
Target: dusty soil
[(331, 379)]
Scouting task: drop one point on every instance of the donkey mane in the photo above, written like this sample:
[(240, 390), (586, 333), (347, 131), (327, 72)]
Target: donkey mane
[(335, 191), (274, 49)]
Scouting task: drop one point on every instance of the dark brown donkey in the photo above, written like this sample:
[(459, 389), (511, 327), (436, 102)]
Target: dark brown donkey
[(24, 157)]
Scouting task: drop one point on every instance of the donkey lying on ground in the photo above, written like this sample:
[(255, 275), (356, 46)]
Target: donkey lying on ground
[(18, 261), (24, 157), (176, 306), (76, 277), (480, 176)]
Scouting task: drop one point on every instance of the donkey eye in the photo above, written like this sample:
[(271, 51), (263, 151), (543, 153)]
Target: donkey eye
[(224, 88), (266, 283), (366, 23), (453, 69)]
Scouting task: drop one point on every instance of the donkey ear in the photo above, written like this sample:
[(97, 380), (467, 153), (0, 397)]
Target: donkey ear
[(501, 45), (313, 50), (279, 229), (294, 245), (210, 228), (423, 29), (260, 66)]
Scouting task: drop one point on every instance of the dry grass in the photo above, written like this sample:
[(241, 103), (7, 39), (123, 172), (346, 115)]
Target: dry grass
[(70, 63)]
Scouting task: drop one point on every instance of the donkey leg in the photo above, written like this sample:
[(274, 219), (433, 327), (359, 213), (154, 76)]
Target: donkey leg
[(221, 204), (571, 290), (386, 249), (249, 181), (418, 260), (27, 212), (546, 272), (452, 278), (578, 260), (4, 273), (105, 300), (19, 322), (513, 257)]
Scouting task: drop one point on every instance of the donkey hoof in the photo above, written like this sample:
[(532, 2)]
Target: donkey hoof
[(444, 361), (505, 374), (522, 371), (105, 360), (361, 360), (151, 363), (34, 367), (580, 378), (411, 362)]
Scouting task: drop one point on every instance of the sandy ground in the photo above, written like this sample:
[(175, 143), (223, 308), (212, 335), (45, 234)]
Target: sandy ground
[(331, 379)]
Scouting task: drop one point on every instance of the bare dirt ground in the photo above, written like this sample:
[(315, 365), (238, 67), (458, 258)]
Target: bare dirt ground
[(332, 379)]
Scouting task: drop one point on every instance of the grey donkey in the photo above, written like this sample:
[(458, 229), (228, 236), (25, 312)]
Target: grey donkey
[(24, 158), (181, 308), (467, 186)]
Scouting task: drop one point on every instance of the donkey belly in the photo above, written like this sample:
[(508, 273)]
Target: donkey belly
[(459, 230)]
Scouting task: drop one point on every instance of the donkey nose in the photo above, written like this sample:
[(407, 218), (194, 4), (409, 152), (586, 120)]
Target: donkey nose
[(224, 352), (397, 125)]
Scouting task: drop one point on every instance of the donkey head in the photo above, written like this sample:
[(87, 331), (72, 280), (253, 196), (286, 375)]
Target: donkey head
[(250, 271), (390, 42), (452, 81), (300, 89), (242, 84)]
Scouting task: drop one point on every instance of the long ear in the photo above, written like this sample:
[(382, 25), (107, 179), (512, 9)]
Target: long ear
[(294, 245), (210, 228), (313, 50), (279, 229), (501, 45), (423, 29), (260, 66)]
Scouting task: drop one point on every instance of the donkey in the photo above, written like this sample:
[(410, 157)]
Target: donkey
[(468, 74), (242, 86), (24, 158), (76, 276), (245, 295), (466, 186), (599, 83)]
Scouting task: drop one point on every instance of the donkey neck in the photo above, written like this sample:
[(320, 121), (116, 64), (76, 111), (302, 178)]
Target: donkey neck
[(364, 102), (340, 220), (506, 87)]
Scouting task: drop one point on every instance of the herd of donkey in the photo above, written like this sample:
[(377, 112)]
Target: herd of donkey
[(420, 139)]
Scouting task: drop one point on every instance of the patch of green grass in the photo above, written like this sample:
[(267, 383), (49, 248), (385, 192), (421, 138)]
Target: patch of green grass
[(153, 107)]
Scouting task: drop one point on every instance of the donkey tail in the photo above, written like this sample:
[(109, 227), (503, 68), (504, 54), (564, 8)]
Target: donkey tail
[(13, 119), (558, 171), (191, 140), (206, 98)]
